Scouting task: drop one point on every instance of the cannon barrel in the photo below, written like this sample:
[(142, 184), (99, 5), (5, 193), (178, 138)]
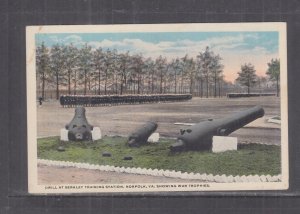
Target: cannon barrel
[(79, 128), (199, 136), (141, 135)]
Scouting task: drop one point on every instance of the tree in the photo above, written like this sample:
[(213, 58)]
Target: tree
[(98, 60), (57, 64), (85, 64), (161, 65), (124, 61), (137, 68), (216, 71), (150, 72), (274, 72), (108, 62), (247, 76), (189, 70), (70, 56), (205, 65), (199, 75), (43, 65), (176, 67)]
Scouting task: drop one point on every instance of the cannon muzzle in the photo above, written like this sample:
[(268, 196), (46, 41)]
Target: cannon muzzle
[(141, 135), (79, 128)]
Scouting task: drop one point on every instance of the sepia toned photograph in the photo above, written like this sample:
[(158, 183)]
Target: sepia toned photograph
[(157, 108)]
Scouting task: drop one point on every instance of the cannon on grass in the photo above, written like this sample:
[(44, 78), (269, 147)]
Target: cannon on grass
[(199, 136), (141, 135), (79, 128)]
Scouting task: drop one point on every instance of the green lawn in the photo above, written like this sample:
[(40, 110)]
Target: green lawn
[(249, 159)]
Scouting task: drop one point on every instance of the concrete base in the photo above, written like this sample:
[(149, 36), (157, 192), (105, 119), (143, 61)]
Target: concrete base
[(96, 133), (222, 144), (64, 135), (154, 138)]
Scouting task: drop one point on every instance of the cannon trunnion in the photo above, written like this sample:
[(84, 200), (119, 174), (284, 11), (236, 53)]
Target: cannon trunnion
[(199, 136), (79, 129)]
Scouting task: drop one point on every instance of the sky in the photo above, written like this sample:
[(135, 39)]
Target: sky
[(235, 48)]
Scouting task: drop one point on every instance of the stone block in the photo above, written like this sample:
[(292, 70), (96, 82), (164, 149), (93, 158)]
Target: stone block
[(237, 179), (263, 178), (244, 178), (210, 177), (154, 138), (269, 178), (256, 178), (64, 135), (96, 133), (222, 144), (191, 175), (230, 179)]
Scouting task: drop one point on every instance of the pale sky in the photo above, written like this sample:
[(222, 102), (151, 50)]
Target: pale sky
[(235, 48)]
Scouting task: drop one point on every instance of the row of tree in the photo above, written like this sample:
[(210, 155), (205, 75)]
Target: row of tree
[(86, 70), (247, 75)]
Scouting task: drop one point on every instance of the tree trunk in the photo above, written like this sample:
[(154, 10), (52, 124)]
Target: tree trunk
[(161, 79), (69, 82), (191, 85), (152, 83), (57, 87), (105, 85), (43, 86), (125, 84), (116, 84), (207, 87), (75, 83), (201, 85), (138, 84), (99, 82), (122, 82), (219, 83), (277, 87), (181, 84), (215, 89), (175, 83), (85, 82)]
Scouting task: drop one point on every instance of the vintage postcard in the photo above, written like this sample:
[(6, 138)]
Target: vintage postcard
[(157, 107)]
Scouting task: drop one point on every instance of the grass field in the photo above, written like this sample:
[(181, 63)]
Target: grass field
[(248, 159)]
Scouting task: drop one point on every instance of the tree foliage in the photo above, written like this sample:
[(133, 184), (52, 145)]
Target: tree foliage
[(84, 70), (274, 72), (247, 76)]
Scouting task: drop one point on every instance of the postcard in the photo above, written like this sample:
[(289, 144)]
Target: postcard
[(157, 108)]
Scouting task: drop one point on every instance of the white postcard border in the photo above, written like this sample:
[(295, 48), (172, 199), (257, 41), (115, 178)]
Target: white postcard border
[(31, 31)]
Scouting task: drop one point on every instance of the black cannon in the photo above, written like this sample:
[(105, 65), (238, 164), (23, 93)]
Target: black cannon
[(141, 135), (199, 136), (79, 128)]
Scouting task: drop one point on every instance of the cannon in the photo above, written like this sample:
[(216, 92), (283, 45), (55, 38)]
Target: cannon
[(79, 128), (199, 136), (141, 135)]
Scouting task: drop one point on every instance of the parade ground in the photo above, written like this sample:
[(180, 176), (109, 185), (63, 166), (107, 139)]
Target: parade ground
[(121, 120), (171, 117)]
